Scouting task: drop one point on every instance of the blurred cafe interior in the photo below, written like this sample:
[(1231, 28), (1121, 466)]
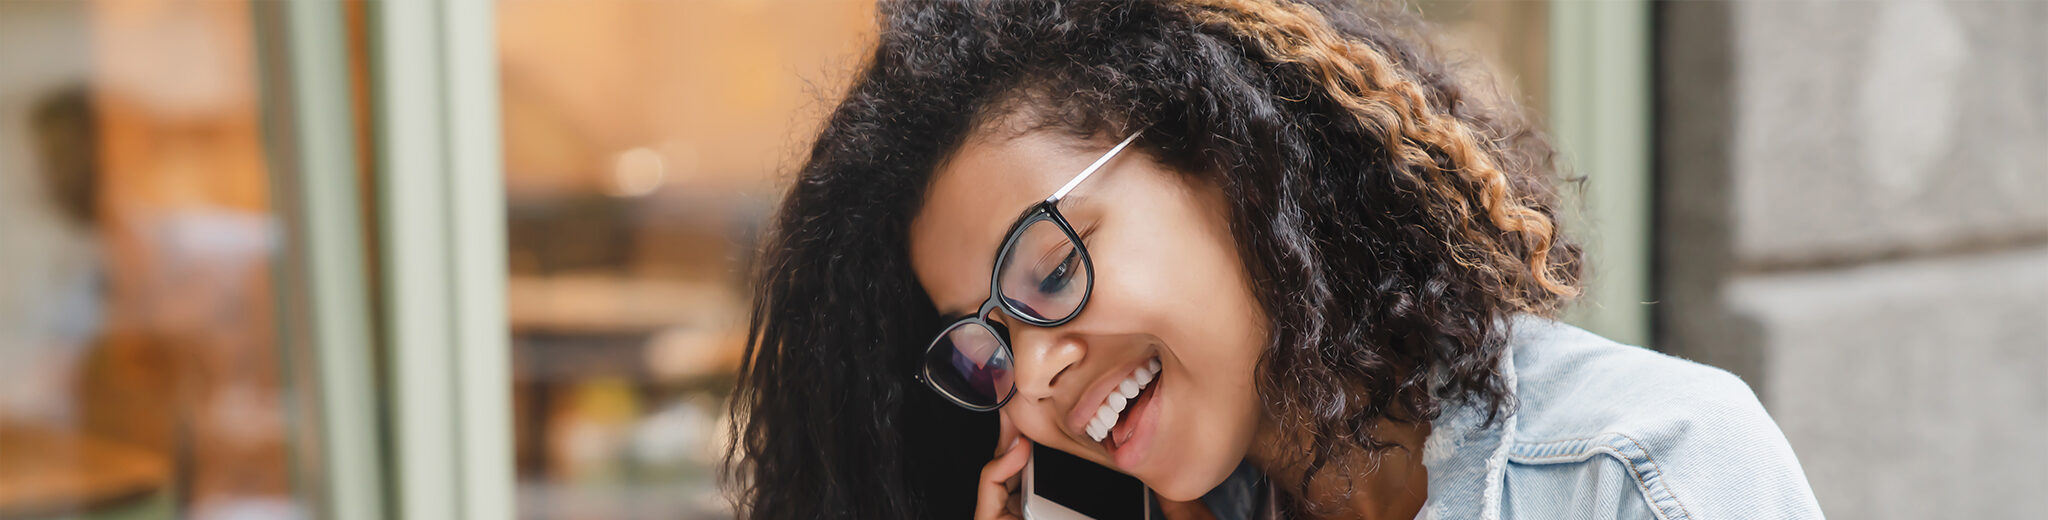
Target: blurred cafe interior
[(204, 246)]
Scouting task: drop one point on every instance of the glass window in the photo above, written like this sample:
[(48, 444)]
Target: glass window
[(644, 147), (139, 372)]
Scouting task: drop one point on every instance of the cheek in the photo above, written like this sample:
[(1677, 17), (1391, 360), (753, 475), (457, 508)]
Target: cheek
[(1182, 275), (1183, 284), (1035, 421)]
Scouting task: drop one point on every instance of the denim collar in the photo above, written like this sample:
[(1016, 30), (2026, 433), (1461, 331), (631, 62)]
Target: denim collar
[(1466, 458)]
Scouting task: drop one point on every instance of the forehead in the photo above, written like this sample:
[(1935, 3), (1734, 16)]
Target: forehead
[(973, 199)]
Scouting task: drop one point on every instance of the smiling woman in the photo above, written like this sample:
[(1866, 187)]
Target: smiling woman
[(1318, 281)]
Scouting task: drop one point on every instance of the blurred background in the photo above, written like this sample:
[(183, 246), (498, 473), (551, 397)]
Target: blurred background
[(476, 259)]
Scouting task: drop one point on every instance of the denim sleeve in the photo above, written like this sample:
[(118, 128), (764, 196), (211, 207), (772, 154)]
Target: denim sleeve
[(1728, 459), (1692, 440), (1716, 454)]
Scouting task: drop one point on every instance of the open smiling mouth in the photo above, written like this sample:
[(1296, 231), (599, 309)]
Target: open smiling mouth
[(1121, 413)]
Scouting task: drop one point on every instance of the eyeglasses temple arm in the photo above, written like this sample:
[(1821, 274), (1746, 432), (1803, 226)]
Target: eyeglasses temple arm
[(1057, 195)]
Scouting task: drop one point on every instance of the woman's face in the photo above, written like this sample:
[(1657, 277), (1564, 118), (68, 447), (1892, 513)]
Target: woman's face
[(1168, 285)]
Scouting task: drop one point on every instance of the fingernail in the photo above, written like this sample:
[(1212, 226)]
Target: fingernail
[(1014, 443)]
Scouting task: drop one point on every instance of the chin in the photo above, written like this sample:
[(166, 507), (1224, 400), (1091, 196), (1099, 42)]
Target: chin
[(1186, 486), (1181, 492), (1189, 462)]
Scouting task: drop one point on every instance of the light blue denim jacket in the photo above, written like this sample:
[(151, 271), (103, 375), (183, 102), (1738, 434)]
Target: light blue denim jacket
[(1600, 430)]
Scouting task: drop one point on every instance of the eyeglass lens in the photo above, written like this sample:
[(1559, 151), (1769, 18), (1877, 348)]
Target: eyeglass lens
[(1043, 277), (969, 363)]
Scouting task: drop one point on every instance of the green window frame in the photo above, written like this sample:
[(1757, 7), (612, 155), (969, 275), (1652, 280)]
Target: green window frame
[(402, 405), (1601, 119)]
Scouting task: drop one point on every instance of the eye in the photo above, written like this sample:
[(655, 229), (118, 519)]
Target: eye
[(1062, 275)]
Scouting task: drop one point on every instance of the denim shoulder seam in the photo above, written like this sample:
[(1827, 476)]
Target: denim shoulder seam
[(1644, 470)]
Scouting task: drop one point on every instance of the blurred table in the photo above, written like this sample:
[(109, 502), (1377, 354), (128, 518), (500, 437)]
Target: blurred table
[(47, 472)]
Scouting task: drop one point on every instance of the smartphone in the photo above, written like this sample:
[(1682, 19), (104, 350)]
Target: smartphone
[(1058, 486)]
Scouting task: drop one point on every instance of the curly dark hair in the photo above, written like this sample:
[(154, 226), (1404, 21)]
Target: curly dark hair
[(1391, 206)]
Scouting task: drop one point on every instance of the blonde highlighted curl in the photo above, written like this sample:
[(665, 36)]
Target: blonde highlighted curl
[(1451, 156)]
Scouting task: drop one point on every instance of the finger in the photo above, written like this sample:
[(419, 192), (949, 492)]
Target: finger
[(1015, 507), (998, 472), (993, 494)]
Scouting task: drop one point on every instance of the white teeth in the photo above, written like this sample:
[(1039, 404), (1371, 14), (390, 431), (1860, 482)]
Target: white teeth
[(1106, 416)]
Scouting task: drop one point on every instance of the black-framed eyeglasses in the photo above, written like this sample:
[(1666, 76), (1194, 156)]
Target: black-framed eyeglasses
[(1042, 277)]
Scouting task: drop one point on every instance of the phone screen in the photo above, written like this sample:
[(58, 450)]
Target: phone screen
[(1087, 487)]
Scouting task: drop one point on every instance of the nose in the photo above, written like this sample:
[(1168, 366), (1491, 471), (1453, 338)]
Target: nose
[(1043, 355)]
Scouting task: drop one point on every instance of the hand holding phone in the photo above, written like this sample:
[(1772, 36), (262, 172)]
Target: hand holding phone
[(996, 493), (1026, 481)]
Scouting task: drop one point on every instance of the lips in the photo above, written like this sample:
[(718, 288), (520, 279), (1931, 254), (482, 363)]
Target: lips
[(1110, 412), (1130, 439), (1113, 411), (1096, 394)]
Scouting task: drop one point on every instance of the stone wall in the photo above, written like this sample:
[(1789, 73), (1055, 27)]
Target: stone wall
[(1853, 216)]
